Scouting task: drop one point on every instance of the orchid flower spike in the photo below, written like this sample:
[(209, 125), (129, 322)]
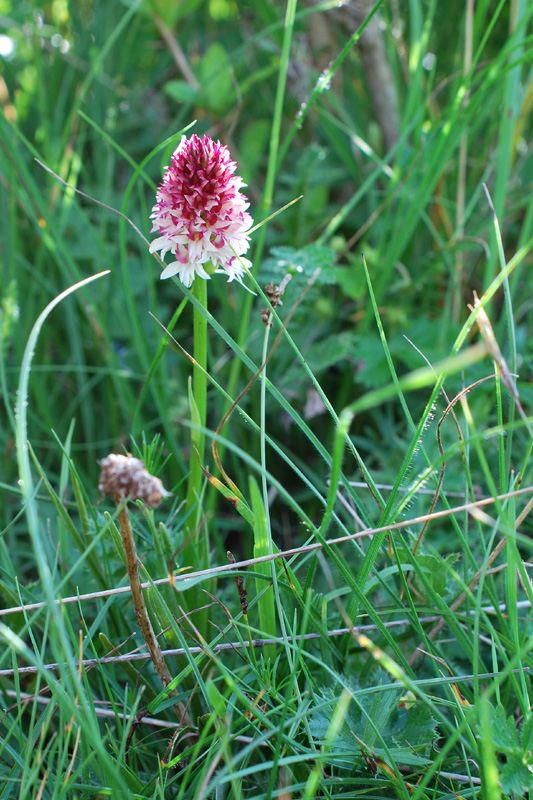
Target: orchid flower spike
[(201, 214)]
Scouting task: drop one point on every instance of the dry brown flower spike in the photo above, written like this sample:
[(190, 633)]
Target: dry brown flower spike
[(126, 476)]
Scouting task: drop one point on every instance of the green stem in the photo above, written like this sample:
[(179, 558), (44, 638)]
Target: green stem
[(262, 378), (199, 413), (200, 356), (195, 554)]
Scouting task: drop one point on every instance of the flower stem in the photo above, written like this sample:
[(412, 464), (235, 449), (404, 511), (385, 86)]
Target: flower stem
[(132, 565), (195, 553), (200, 356), (195, 549)]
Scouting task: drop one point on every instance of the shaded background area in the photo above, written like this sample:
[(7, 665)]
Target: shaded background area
[(389, 160), (91, 89), (388, 136)]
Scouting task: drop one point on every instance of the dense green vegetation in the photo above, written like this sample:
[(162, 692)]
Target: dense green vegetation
[(375, 408)]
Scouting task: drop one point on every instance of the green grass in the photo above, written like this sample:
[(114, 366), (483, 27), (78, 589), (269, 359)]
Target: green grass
[(374, 465)]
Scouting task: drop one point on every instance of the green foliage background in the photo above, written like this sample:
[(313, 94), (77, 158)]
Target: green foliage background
[(99, 93)]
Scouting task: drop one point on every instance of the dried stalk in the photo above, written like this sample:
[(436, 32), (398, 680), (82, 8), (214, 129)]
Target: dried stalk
[(125, 477), (141, 612)]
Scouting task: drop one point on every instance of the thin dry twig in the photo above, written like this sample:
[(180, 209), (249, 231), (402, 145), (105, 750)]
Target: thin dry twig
[(219, 648), (240, 565), (176, 52), (521, 517)]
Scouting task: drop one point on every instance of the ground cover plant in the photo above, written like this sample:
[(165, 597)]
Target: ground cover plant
[(311, 577)]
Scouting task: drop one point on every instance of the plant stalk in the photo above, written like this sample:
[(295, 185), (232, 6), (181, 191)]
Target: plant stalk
[(141, 612), (195, 554), (199, 384)]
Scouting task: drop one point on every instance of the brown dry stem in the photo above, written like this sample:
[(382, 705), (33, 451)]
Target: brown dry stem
[(141, 612)]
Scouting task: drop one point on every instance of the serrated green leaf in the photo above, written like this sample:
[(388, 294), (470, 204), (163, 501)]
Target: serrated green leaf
[(379, 713), (319, 723), (376, 720), (301, 264), (414, 726), (503, 732), (515, 777), (433, 567), (327, 352), (372, 367), (527, 735)]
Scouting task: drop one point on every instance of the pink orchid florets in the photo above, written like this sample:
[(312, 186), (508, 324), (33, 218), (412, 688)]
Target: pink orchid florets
[(201, 213)]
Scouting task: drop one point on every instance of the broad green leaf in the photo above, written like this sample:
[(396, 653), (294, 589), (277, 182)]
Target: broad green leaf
[(383, 704), (253, 146), (217, 700), (352, 280), (413, 725), (217, 84), (181, 91)]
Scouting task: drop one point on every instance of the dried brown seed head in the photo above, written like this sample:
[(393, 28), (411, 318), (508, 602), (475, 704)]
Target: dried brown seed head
[(126, 476), (275, 293)]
